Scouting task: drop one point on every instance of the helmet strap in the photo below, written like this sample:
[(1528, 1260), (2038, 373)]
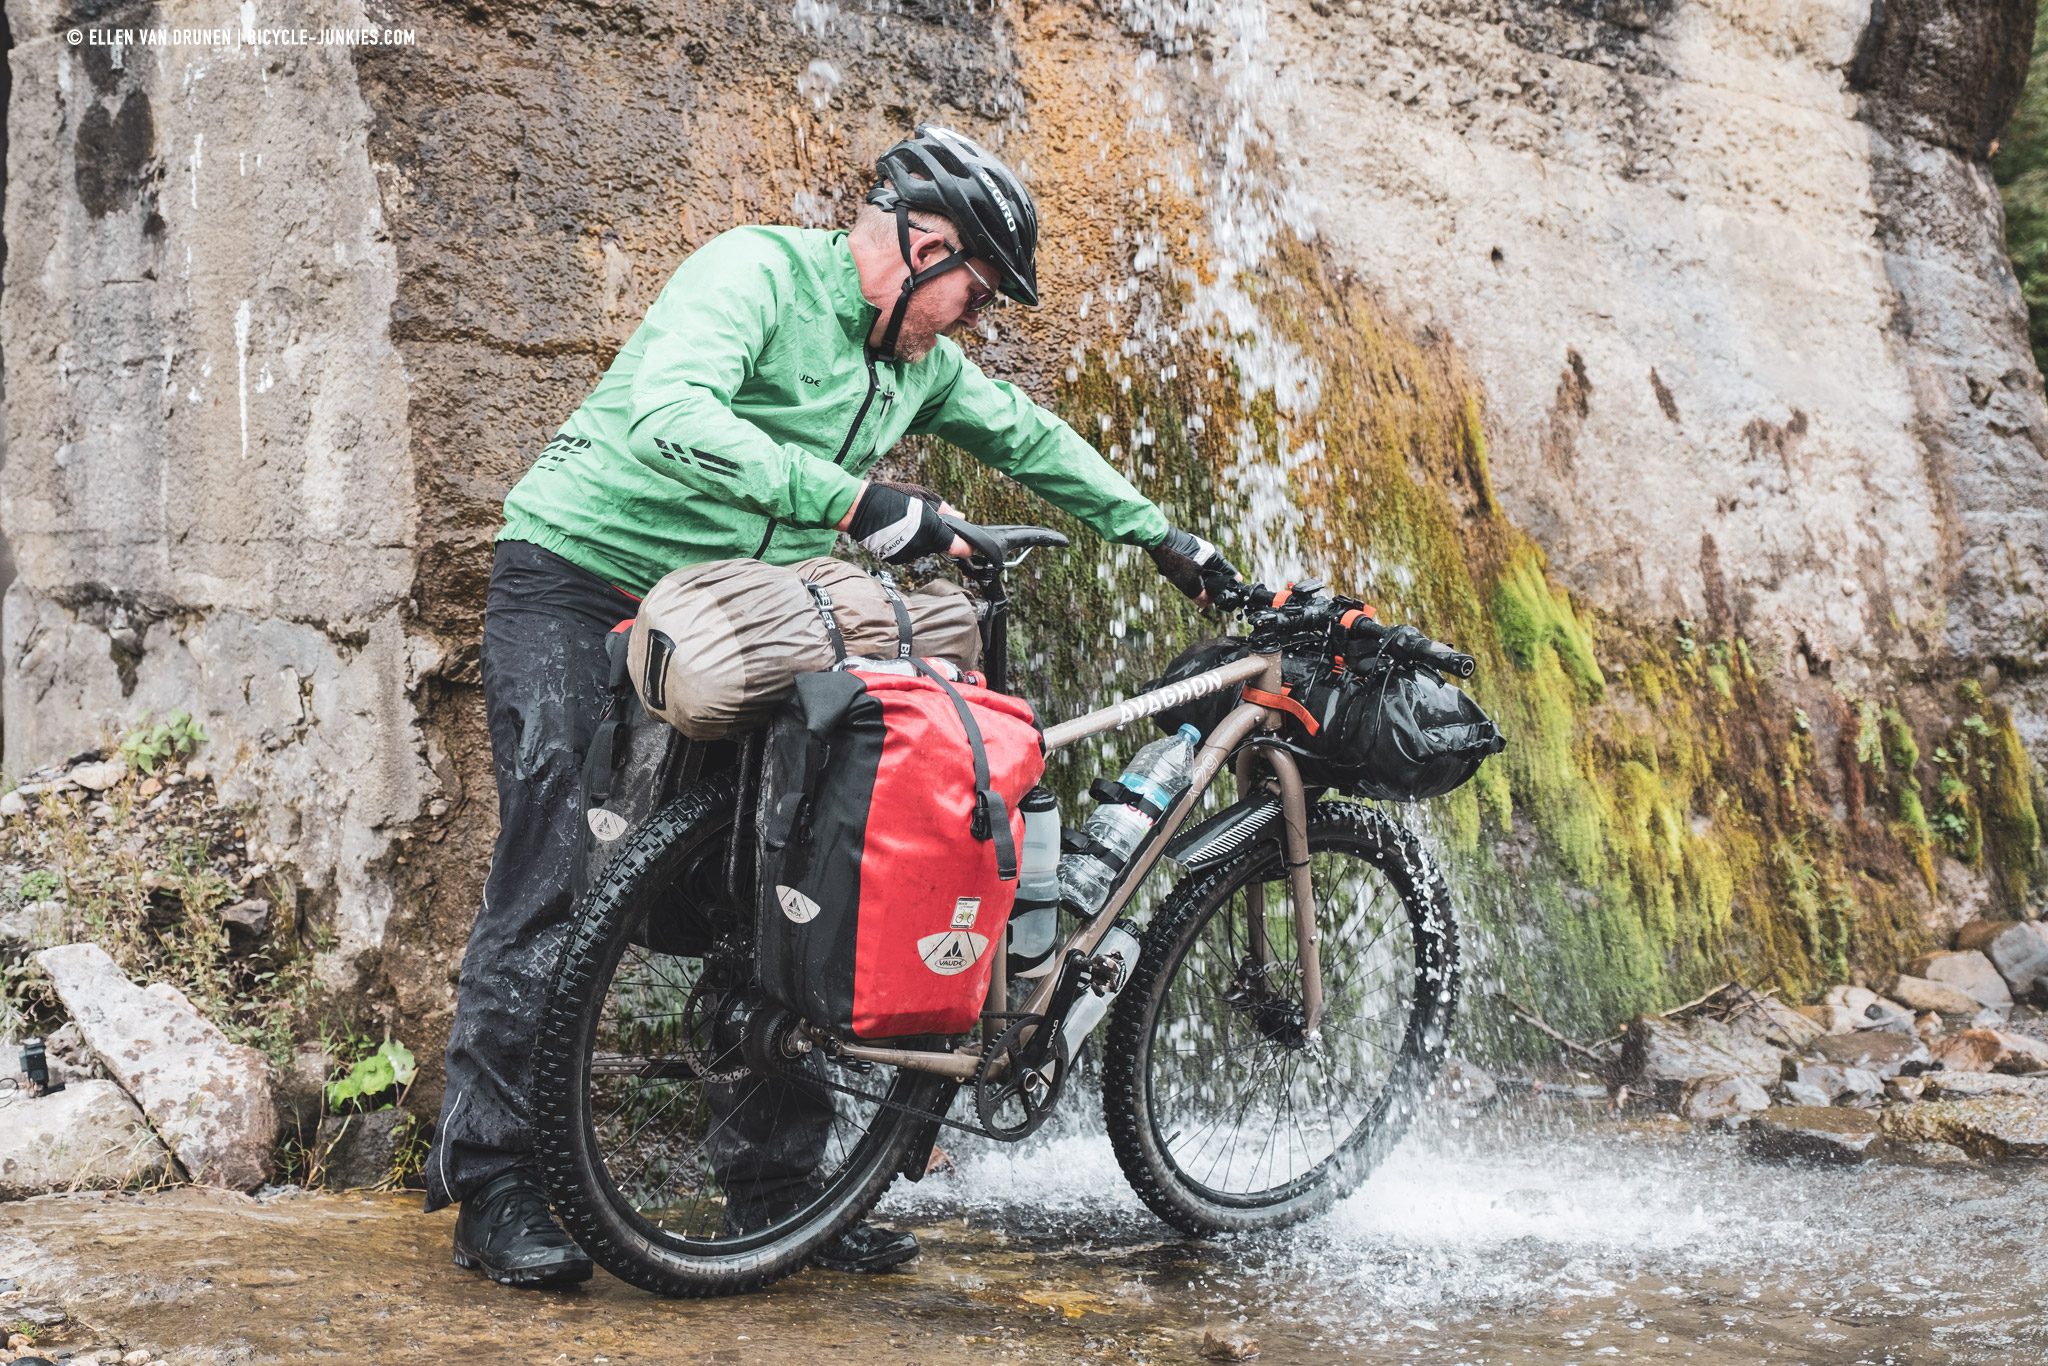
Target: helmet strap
[(953, 260)]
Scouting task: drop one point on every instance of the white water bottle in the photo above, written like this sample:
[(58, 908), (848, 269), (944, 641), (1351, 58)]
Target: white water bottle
[(1035, 922), (1120, 947), (1159, 773)]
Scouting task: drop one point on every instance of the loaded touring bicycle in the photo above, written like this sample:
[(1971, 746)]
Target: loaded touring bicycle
[(1271, 1026)]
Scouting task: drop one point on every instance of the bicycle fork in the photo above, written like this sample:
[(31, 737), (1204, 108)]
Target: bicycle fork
[(1301, 890)]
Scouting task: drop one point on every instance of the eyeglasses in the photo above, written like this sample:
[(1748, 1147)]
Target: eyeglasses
[(982, 297)]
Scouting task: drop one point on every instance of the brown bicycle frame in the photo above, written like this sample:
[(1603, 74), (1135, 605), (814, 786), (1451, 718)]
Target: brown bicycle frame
[(1264, 670)]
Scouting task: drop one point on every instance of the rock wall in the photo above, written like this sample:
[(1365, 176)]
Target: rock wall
[(209, 486), (1734, 280), (1664, 353)]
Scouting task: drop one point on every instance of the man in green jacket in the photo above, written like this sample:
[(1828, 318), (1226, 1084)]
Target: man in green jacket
[(775, 369)]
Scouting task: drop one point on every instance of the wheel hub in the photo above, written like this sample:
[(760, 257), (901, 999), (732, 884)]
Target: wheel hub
[(1278, 1017)]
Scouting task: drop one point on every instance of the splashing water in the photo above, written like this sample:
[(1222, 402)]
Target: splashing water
[(1568, 1242), (815, 15), (819, 82)]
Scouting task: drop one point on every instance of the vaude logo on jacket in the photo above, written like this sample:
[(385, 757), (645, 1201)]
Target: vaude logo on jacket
[(796, 905), (951, 951), (606, 825)]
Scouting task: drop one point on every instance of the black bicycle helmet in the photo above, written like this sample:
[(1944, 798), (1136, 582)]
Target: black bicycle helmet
[(936, 170)]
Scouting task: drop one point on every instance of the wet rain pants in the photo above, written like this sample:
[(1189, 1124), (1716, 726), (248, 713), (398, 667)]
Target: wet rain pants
[(544, 670)]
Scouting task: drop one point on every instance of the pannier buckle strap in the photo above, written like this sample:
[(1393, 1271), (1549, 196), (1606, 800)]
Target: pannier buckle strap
[(991, 819), (902, 612), (822, 600)]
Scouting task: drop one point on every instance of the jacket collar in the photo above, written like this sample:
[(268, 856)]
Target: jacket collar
[(842, 287)]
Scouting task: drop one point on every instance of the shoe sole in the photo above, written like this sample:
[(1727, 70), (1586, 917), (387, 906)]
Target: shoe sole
[(529, 1278), (867, 1268)]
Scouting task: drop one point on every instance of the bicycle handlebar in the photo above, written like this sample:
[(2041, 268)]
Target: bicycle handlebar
[(1305, 606), (1308, 605)]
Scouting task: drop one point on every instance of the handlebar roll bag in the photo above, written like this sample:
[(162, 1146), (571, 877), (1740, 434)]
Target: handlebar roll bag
[(1389, 730), (889, 836), (717, 647)]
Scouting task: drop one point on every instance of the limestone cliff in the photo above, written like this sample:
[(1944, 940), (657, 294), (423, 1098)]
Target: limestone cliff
[(1666, 355)]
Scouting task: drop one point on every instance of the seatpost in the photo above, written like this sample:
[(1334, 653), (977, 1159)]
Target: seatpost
[(995, 643)]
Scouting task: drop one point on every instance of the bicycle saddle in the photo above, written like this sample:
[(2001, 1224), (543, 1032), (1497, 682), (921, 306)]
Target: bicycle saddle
[(1016, 538), (1000, 545)]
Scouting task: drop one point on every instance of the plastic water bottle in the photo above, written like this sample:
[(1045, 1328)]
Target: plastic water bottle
[(1035, 922), (1159, 773), (1155, 779)]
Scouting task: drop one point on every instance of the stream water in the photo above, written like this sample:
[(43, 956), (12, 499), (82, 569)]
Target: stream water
[(1533, 1237)]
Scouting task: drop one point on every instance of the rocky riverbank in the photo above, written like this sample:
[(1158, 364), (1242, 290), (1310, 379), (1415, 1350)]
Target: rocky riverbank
[(156, 960), (1950, 1064)]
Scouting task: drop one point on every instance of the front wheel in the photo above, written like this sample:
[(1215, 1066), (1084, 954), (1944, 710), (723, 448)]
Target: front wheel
[(1225, 1112)]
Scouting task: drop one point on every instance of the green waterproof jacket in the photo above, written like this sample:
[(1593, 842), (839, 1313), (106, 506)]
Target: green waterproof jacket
[(740, 417)]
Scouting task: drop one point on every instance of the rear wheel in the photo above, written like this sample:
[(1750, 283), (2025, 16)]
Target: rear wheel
[(687, 1147), (1225, 1113)]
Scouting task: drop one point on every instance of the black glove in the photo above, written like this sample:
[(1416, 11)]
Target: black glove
[(897, 526), (1193, 565)]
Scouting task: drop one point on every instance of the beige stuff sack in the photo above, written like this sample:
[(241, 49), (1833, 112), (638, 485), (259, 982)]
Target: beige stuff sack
[(717, 647)]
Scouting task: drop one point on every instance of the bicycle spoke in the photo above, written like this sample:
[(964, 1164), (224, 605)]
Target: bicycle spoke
[(1245, 1106)]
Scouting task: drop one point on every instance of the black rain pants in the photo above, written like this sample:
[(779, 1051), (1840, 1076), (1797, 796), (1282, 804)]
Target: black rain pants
[(544, 671)]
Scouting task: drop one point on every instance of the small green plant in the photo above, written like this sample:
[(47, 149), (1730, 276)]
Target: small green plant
[(41, 885), (145, 748), (390, 1068)]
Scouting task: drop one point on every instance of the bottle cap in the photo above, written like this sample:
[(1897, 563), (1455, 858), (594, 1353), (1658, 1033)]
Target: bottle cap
[(1190, 734)]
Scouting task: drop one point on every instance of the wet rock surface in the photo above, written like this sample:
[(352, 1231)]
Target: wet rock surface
[(1921, 993), (1990, 1050), (209, 1098), (1997, 1127), (1816, 1134), (2018, 949), (87, 1136), (1969, 972), (1882, 1052), (1667, 1054)]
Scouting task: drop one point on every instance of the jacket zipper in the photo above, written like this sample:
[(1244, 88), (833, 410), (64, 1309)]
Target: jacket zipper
[(860, 416)]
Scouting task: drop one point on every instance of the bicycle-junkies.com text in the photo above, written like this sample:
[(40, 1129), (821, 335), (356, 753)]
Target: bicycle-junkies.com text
[(240, 37)]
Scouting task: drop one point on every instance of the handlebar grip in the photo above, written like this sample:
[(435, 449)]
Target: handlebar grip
[(1446, 660)]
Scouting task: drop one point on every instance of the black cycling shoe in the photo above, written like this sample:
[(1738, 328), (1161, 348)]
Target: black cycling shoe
[(506, 1232), (866, 1248)]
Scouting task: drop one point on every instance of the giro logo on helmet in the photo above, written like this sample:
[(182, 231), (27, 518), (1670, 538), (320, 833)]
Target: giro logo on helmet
[(1002, 200)]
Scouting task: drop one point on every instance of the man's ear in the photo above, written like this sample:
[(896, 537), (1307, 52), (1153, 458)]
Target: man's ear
[(932, 250)]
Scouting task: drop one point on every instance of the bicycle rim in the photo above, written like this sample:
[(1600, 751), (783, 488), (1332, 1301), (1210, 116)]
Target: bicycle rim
[(679, 1161), (1243, 1118)]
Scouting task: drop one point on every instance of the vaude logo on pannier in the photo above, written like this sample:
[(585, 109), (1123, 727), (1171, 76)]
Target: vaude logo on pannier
[(951, 951), (607, 825), (796, 905)]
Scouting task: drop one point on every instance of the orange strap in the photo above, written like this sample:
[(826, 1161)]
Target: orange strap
[(1280, 701), (1280, 598), (1352, 616)]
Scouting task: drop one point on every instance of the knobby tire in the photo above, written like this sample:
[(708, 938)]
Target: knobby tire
[(1335, 829), (641, 878)]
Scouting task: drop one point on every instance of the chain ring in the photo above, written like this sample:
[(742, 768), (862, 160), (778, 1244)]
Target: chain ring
[(1035, 1090)]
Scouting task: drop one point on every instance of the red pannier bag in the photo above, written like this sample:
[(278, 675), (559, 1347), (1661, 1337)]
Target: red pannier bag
[(889, 831)]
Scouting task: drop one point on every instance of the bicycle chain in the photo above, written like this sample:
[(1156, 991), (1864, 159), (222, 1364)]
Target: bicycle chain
[(987, 1054)]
